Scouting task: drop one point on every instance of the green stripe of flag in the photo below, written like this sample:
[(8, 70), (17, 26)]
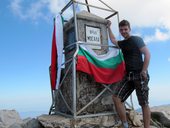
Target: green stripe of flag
[(108, 63)]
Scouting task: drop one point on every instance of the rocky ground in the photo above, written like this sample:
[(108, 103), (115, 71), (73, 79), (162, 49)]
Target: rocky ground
[(11, 119)]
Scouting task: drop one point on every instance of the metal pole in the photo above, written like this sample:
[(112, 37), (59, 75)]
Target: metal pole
[(107, 6), (118, 24), (74, 65), (74, 84), (92, 101), (87, 6), (111, 15), (98, 114), (75, 21), (65, 101), (67, 5), (104, 45), (94, 6)]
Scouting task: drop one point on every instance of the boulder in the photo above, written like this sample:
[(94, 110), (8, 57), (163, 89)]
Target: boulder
[(15, 125), (161, 118), (9, 117), (31, 123), (57, 121), (134, 118)]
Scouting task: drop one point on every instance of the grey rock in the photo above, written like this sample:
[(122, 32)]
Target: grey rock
[(8, 118), (161, 118), (31, 123), (15, 125)]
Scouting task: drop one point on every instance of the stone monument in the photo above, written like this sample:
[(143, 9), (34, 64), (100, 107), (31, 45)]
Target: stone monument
[(91, 29)]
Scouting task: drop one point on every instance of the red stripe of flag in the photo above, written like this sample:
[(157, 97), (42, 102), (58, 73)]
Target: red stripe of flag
[(53, 74), (101, 75)]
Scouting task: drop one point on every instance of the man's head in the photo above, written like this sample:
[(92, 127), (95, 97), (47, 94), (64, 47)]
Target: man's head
[(124, 28)]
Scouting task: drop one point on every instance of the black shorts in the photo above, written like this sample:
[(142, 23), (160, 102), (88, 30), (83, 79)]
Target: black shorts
[(124, 89)]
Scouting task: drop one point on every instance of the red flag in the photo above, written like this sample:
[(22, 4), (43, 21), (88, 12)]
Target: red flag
[(53, 60)]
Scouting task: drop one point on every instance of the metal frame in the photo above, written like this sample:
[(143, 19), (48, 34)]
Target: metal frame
[(72, 61)]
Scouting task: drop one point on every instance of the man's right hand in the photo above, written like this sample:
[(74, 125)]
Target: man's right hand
[(109, 23)]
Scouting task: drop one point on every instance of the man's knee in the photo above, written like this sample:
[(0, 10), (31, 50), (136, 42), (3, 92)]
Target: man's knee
[(145, 106)]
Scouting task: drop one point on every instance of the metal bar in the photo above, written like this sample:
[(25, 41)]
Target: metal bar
[(87, 116), (69, 46), (87, 6), (75, 21), (92, 101), (65, 102), (74, 88), (108, 88), (111, 15), (74, 67), (96, 44), (107, 6), (131, 101), (118, 18), (67, 61), (74, 82), (98, 114), (113, 93), (65, 75), (118, 24), (94, 6), (67, 5), (128, 105), (52, 93), (52, 104)]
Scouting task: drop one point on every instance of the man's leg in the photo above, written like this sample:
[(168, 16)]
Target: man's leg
[(146, 116), (120, 108), (142, 91)]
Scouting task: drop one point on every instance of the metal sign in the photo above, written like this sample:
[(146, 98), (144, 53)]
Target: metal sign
[(93, 36)]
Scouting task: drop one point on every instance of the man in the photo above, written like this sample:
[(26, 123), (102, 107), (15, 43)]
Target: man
[(137, 77)]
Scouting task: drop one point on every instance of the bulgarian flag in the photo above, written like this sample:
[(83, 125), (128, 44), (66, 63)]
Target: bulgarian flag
[(53, 70), (56, 52), (107, 68)]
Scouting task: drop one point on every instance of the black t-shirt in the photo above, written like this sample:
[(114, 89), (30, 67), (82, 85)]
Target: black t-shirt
[(131, 52)]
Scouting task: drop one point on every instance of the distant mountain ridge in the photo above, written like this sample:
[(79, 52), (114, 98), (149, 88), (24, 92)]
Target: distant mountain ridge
[(32, 114)]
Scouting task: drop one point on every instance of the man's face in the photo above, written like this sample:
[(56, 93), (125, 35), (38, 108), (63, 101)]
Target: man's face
[(124, 31)]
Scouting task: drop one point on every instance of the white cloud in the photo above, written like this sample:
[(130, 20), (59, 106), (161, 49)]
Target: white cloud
[(161, 36), (141, 13), (145, 13), (16, 8), (33, 11), (55, 6), (38, 10), (158, 36)]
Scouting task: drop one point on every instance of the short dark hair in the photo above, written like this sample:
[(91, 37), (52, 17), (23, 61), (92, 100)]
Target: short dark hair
[(124, 23)]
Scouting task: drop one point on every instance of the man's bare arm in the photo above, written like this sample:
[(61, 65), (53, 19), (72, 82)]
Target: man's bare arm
[(147, 56), (111, 35)]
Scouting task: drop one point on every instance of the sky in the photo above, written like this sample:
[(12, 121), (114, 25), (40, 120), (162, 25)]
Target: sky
[(26, 28)]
